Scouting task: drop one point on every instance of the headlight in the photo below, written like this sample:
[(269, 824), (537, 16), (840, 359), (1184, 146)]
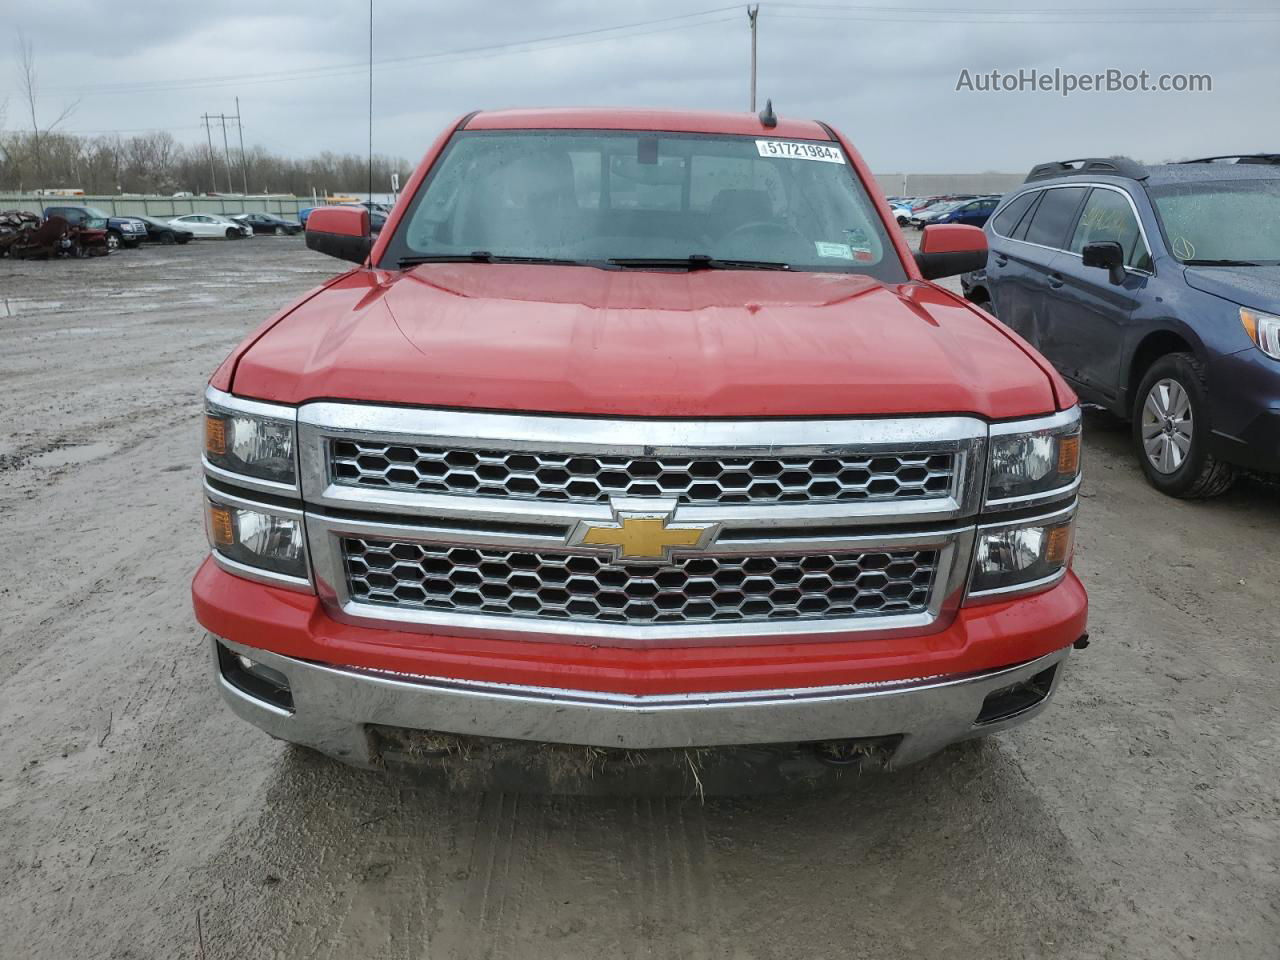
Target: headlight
[(1028, 554), (1264, 330), (266, 541), (248, 444), (1026, 462)]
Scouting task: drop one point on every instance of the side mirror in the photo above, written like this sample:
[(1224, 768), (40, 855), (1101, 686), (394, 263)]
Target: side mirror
[(341, 232), (1108, 255), (947, 249)]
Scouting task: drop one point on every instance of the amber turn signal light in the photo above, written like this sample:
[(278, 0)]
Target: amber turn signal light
[(1058, 545), (215, 436), (1069, 455), (222, 529)]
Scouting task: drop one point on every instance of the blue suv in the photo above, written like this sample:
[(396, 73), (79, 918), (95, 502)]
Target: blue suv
[(975, 212), (1156, 292)]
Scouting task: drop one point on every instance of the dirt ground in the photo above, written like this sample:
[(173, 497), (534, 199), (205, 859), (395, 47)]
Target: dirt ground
[(1139, 817)]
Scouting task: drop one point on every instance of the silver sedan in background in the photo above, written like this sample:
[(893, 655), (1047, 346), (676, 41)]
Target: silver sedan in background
[(211, 225)]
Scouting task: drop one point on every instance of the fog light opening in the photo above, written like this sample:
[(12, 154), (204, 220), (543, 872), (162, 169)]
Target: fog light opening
[(1017, 698), (255, 679)]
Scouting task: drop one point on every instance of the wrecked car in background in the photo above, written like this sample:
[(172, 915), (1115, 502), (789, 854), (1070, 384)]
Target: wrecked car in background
[(26, 237)]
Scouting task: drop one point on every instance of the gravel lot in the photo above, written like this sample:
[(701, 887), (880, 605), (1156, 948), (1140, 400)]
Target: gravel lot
[(1139, 817)]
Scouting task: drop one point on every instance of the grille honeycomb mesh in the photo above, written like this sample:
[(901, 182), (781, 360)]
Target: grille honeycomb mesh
[(588, 587), (596, 478)]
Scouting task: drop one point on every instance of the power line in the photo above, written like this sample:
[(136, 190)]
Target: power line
[(959, 14), (534, 44)]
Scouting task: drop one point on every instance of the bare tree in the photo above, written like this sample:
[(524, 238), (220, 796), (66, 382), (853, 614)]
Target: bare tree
[(28, 84)]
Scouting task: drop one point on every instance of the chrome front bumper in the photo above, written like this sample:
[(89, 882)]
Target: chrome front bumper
[(332, 706)]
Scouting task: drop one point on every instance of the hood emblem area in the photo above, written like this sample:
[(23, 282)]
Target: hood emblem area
[(642, 530)]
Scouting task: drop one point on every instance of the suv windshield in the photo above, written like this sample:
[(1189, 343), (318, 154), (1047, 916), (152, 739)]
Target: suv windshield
[(1221, 221), (95, 212), (649, 199)]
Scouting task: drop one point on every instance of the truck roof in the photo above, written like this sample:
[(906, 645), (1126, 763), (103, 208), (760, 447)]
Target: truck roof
[(612, 118)]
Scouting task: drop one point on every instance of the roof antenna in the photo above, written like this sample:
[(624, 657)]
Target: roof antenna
[(370, 102), (767, 116)]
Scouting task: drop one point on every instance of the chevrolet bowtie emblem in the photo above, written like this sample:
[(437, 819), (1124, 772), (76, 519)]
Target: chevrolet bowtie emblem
[(639, 537)]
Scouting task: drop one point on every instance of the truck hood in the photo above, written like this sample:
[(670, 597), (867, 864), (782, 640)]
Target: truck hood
[(708, 343)]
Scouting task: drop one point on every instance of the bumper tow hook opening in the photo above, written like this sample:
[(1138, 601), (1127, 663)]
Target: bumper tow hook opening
[(859, 752)]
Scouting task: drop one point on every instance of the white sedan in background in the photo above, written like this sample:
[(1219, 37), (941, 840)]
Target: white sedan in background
[(204, 225)]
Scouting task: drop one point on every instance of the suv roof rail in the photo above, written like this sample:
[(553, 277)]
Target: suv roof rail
[(1239, 158), (1083, 166)]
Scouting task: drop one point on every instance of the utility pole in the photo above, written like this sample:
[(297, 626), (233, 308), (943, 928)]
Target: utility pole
[(226, 151), (753, 14), (208, 132), (244, 165)]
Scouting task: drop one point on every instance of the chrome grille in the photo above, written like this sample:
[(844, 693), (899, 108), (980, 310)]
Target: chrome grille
[(595, 478), (587, 587)]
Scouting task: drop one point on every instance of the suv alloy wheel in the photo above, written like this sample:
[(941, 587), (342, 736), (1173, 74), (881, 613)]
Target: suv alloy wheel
[(1171, 430)]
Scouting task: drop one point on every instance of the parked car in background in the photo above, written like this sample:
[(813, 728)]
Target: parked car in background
[(761, 424), (1155, 291), (303, 213), (161, 231), (973, 212), (120, 231), (211, 225), (268, 223), (921, 217)]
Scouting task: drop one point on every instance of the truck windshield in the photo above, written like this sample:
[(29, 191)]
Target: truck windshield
[(646, 200), (1221, 222)]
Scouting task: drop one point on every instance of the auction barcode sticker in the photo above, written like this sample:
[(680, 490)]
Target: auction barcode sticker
[(791, 150)]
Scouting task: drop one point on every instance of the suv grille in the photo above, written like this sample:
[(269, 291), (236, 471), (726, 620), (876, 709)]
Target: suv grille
[(577, 586), (596, 478)]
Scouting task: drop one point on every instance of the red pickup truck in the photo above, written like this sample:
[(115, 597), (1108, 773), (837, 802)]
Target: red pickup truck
[(638, 431)]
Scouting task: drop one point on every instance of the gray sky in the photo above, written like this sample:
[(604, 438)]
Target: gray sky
[(885, 74)]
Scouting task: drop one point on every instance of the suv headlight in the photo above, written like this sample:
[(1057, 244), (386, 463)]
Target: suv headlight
[(1263, 329), (1023, 555), (258, 537), (1032, 460), (250, 444)]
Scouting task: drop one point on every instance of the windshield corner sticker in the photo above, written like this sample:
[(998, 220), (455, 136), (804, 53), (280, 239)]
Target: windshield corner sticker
[(841, 250), (793, 150)]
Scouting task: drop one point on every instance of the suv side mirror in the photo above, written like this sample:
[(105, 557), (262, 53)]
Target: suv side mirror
[(1108, 255), (947, 249), (341, 232)]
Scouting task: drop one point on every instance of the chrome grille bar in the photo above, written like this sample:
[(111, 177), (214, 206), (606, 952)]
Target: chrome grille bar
[(434, 520)]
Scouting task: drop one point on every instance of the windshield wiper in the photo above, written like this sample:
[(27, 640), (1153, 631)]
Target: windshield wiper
[(1221, 263), (699, 261), (480, 256)]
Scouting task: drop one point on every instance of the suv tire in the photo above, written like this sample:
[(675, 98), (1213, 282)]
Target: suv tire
[(1171, 413), (113, 240)]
